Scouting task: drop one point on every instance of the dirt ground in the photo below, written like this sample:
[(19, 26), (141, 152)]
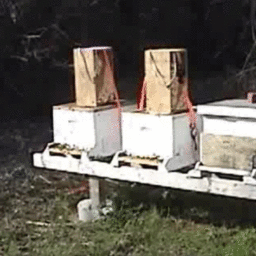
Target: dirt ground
[(18, 178)]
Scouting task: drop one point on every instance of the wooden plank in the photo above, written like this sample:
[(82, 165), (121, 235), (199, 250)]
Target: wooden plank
[(175, 180), (98, 189), (84, 85), (227, 151), (224, 170), (62, 149), (162, 68), (158, 95), (94, 192), (139, 161), (94, 83)]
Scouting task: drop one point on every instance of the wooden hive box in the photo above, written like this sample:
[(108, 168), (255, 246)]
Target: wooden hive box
[(94, 80), (227, 151), (166, 77), (229, 138)]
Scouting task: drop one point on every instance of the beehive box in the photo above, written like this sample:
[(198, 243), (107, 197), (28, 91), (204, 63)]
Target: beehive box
[(228, 151), (94, 76), (96, 130), (166, 77), (165, 136), (229, 134)]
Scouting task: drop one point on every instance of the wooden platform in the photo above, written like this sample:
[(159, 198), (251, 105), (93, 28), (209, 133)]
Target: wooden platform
[(176, 180)]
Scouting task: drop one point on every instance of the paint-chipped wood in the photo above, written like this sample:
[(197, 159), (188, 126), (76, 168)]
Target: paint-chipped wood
[(175, 180), (166, 77), (228, 171), (140, 161), (64, 149), (94, 83), (227, 151)]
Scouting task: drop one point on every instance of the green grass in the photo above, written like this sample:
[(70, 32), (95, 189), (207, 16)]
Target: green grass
[(148, 234), (127, 231), (39, 218)]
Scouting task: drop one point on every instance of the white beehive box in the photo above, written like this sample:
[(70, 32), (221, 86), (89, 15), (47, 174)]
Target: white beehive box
[(96, 130), (229, 134), (167, 136), (236, 117)]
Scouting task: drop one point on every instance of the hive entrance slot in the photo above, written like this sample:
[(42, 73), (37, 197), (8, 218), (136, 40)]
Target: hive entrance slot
[(57, 149), (138, 161)]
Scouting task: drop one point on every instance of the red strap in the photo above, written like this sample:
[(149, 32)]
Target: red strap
[(110, 76), (142, 96), (83, 188), (191, 113)]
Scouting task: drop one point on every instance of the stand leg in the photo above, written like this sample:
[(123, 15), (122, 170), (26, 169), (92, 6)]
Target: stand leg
[(98, 191), (94, 185)]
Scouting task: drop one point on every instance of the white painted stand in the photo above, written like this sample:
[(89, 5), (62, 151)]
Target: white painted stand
[(185, 181), (88, 209)]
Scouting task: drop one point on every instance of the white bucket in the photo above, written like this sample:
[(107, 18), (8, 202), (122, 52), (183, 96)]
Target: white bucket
[(86, 211)]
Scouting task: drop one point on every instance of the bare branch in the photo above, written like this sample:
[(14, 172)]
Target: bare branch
[(60, 64), (94, 2), (44, 179), (253, 8), (241, 74), (19, 58), (58, 29)]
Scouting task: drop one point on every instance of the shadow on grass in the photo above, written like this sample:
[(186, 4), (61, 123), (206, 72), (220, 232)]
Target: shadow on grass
[(197, 207)]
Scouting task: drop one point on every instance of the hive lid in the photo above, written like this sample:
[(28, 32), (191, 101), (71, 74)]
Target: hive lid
[(95, 48), (167, 50), (235, 108)]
